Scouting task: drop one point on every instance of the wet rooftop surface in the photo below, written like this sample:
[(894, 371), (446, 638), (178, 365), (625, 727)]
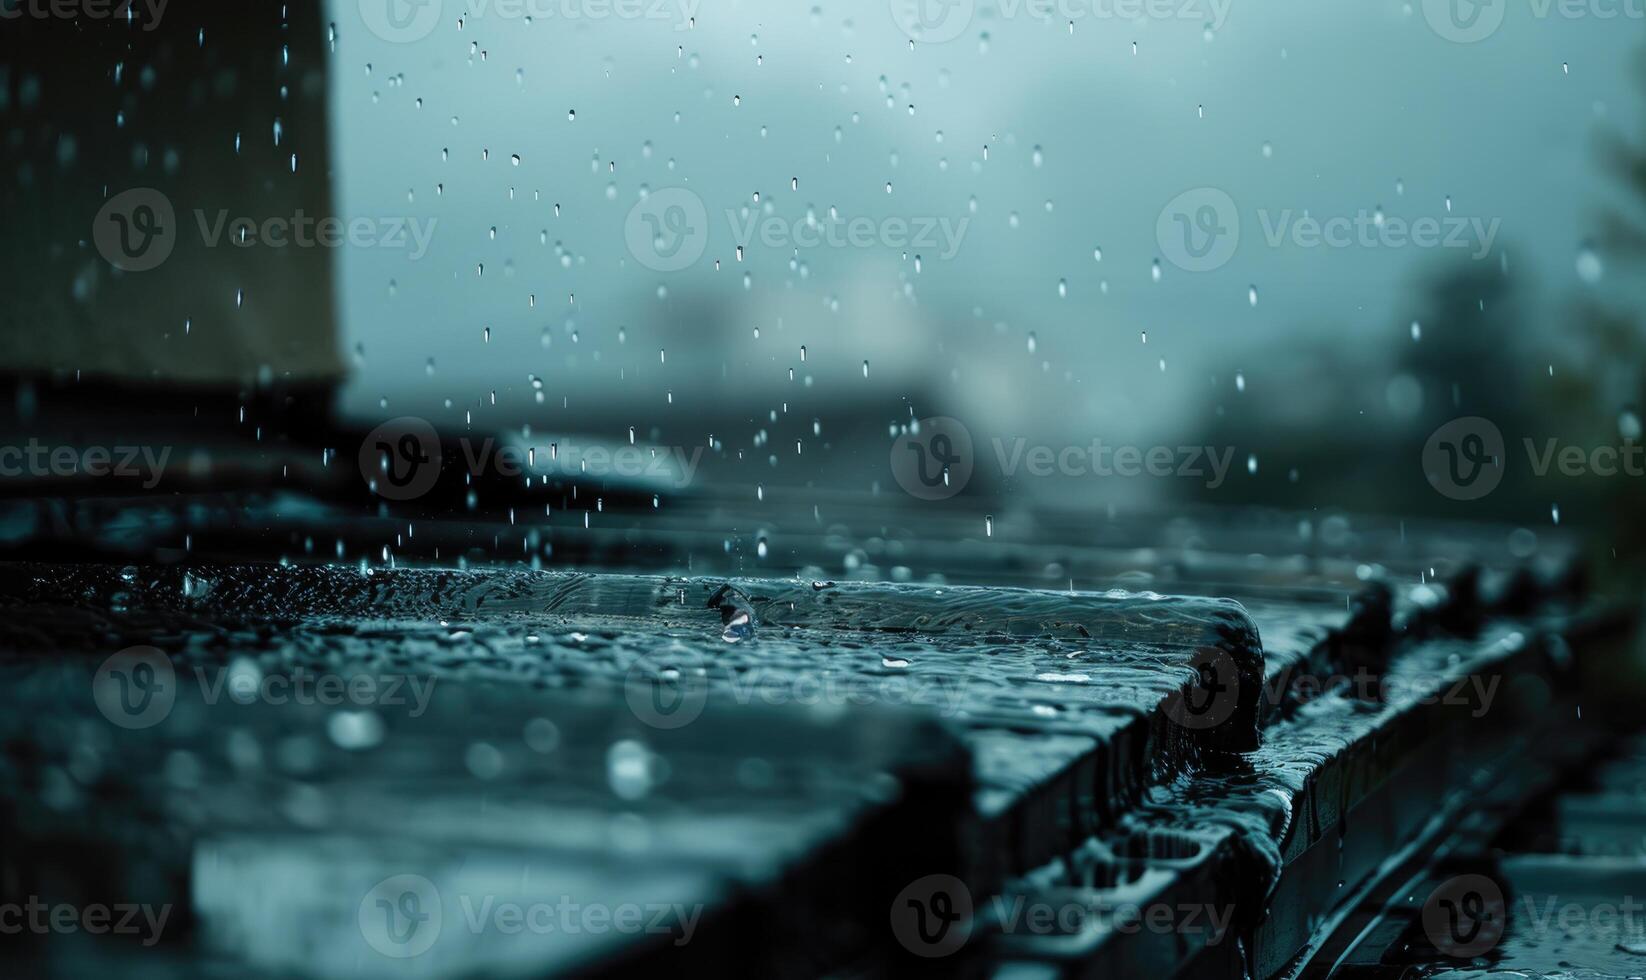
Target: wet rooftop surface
[(767, 753), (1558, 890)]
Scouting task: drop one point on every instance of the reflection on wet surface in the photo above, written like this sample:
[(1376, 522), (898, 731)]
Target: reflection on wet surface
[(261, 748)]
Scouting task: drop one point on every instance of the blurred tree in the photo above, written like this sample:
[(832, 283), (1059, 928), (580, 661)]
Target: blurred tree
[(1600, 368), (1468, 349), (1350, 429)]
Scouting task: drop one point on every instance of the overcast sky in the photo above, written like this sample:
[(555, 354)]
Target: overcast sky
[(1288, 107)]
